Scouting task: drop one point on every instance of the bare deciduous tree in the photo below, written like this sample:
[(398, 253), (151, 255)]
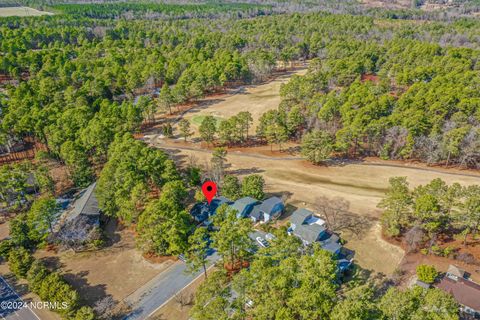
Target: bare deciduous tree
[(338, 217), (105, 307), (414, 238)]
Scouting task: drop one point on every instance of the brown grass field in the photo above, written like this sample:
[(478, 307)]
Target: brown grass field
[(21, 12), (115, 271), (256, 99)]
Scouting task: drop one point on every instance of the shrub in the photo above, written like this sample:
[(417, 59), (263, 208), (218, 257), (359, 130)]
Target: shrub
[(426, 273), (5, 247), (20, 261), (252, 186), (84, 313)]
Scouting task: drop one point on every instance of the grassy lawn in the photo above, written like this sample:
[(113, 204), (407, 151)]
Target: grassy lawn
[(197, 119)]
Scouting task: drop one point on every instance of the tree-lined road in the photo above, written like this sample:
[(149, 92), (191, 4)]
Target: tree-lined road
[(161, 289)]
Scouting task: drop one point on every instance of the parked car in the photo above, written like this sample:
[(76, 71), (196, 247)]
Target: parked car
[(269, 237), (262, 242), (343, 264)]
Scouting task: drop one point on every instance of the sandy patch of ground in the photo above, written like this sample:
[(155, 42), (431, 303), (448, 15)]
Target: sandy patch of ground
[(4, 230), (21, 12), (372, 252), (115, 271)]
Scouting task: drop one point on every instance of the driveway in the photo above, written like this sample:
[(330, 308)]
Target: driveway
[(9, 296), (161, 289)]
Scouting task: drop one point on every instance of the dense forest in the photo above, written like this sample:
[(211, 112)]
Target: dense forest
[(78, 76), (401, 99), (83, 80)]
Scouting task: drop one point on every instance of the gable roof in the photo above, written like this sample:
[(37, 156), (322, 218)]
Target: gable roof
[(242, 203), (309, 233), (268, 205), (331, 244), (256, 212), (86, 204), (456, 271), (466, 292), (202, 210), (299, 216)]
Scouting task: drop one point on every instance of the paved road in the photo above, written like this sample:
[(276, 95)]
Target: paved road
[(8, 295), (161, 289)]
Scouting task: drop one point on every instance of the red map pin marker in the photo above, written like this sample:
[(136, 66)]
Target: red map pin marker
[(209, 189)]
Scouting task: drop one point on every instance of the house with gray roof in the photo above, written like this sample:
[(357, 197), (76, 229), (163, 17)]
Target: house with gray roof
[(309, 228), (331, 243), (81, 225), (244, 206), (86, 204), (306, 226), (267, 210), (202, 211)]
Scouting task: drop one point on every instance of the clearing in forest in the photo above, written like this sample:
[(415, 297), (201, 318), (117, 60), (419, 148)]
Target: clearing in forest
[(256, 99), (21, 12)]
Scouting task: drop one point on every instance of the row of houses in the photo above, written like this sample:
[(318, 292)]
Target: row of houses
[(304, 224), (246, 207)]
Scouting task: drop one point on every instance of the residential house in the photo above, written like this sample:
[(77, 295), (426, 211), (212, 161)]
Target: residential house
[(201, 212), (306, 226), (81, 221), (244, 206), (86, 205), (330, 242), (267, 210), (312, 229), (465, 291)]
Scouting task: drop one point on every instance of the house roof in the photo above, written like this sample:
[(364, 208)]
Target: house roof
[(86, 204), (268, 205), (331, 246), (256, 212), (456, 271), (201, 211), (221, 200), (300, 215), (242, 203), (308, 233), (466, 292), (422, 284)]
